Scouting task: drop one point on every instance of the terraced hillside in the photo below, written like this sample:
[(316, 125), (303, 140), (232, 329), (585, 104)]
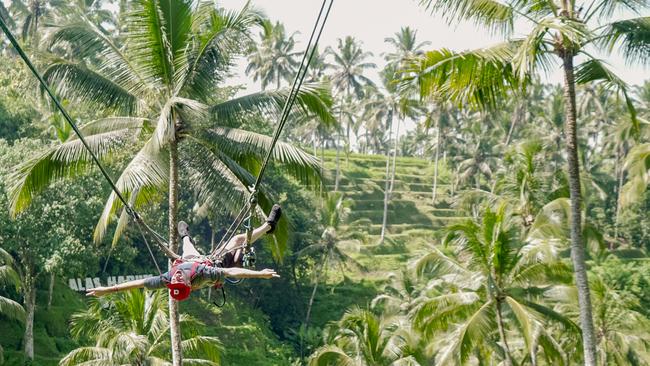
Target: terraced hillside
[(412, 219)]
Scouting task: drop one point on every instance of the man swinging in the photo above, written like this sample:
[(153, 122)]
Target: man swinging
[(194, 270)]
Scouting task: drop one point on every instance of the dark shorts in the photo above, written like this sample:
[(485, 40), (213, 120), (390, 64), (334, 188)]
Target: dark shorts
[(228, 260)]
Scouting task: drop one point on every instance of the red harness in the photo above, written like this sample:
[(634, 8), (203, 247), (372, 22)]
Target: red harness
[(181, 290)]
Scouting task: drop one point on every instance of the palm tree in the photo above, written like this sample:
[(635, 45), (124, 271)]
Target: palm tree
[(620, 330), (273, 60), (363, 338), (165, 79), (495, 286), (405, 46), (9, 277), (131, 328), (333, 214), (560, 30), (349, 65)]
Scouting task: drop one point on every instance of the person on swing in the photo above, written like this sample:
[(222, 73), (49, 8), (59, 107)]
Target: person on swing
[(194, 271)]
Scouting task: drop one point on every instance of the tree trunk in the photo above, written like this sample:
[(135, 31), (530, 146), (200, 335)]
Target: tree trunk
[(174, 323), (502, 334), (577, 245), (322, 167), (50, 291), (620, 174), (384, 219), (313, 292), (435, 166), (29, 293), (515, 117), (338, 163)]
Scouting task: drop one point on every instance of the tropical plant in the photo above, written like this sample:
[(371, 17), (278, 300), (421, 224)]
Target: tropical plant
[(131, 328), (560, 30), (333, 215), (349, 65), (9, 278), (165, 82), (490, 288), (364, 338), (621, 331)]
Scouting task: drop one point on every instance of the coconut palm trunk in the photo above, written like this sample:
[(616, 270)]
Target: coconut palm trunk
[(174, 323), (313, 292), (384, 219), (577, 245), (502, 334), (29, 294), (434, 190)]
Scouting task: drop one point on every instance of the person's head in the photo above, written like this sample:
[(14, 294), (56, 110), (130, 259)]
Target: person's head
[(180, 285)]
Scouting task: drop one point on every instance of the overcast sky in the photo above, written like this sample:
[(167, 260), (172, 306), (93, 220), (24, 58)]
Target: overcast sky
[(370, 21)]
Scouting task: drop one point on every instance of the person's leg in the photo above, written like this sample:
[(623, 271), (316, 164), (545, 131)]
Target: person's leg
[(188, 246), (239, 241)]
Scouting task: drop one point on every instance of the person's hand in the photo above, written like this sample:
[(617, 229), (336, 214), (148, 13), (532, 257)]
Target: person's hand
[(268, 273), (98, 291)]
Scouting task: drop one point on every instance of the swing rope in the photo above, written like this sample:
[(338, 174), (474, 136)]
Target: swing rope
[(250, 206)]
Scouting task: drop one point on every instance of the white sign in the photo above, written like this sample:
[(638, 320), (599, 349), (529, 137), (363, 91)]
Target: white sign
[(88, 283)]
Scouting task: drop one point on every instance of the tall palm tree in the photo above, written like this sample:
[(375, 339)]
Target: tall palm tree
[(560, 30), (274, 59), (130, 328), (349, 65), (405, 46), (333, 214), (490, 283), (164, 82)]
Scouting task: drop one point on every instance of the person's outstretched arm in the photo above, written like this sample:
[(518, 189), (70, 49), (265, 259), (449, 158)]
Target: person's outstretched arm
[(235, 272), (101, 291)]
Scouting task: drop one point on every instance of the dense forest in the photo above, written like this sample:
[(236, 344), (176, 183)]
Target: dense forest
[(458, 209)]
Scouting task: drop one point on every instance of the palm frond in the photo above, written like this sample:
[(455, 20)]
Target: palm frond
[(331, 355), (469, 334), (11, 309), (89, 40), (312, 99), (495, 15), (595, 70), (438, 264), (82, 355), (226, 32), (61, 161), (110, 124), (633, 36), (77, 82), (637, 163), (154, 41), (208, 348), (605, 9), (480, 78), (242, 146), (525, 320), (8, 276), (140, 182)]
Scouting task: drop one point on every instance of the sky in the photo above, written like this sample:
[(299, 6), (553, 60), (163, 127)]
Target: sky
[(371, 21)]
